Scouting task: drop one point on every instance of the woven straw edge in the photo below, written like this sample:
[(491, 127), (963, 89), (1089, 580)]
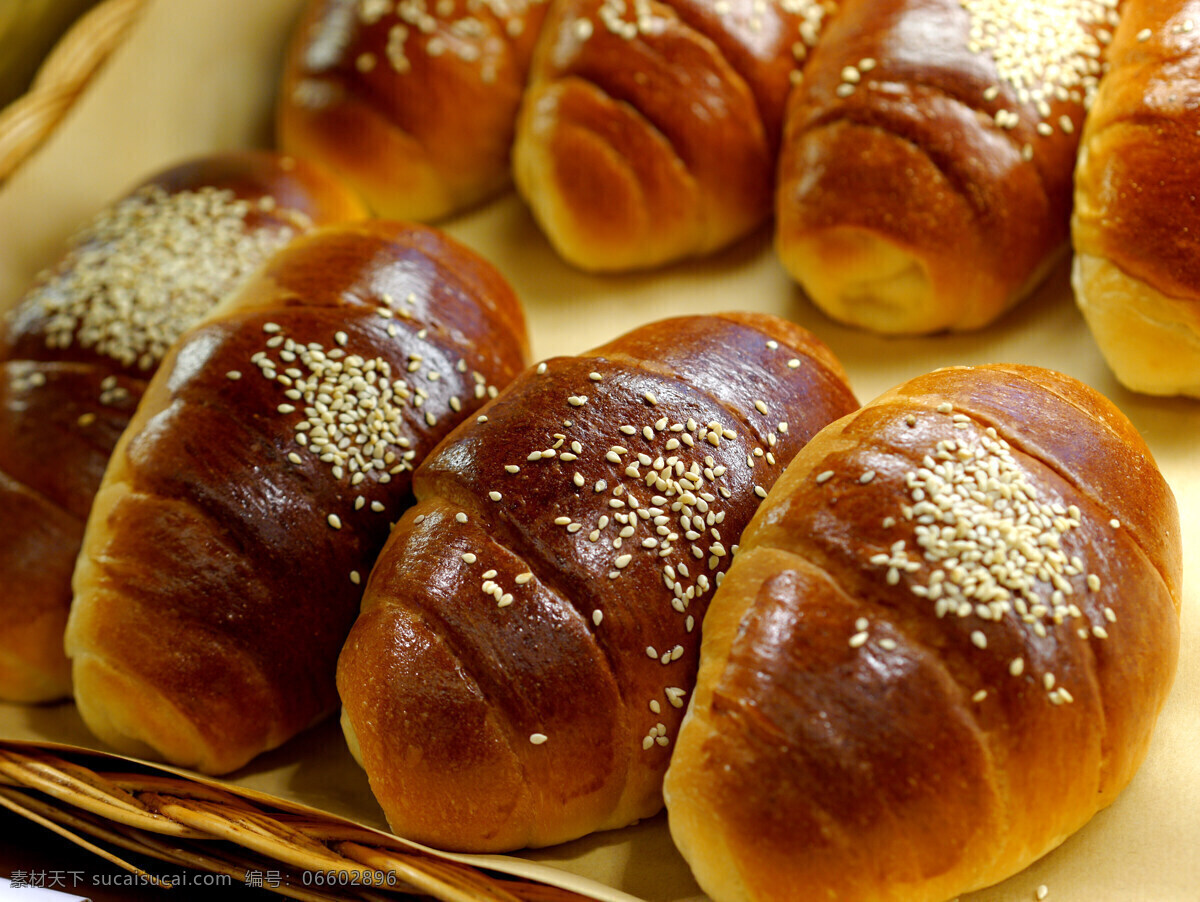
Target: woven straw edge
[(186, 823), (32, 118)]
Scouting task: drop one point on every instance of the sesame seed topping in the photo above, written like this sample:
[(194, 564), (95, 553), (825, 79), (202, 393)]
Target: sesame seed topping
[(979, 696), (469, 558), (1041, 892), (1017, 666), (335, 521), (489, 574), (149, 266), (859, 639), (355, 577), (824, 477), (538, 738), (234, 375), (494, 496), (460, 517)]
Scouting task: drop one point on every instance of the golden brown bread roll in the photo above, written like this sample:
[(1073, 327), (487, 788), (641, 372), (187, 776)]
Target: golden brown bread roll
[(225, 553), (650, 128), (925, 175), (412, 102), (78, 347), (528, 637), (1135, 227), (940, 650)]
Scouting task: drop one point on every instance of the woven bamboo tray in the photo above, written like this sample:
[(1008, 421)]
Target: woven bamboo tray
[(111, 806), (29, 120)]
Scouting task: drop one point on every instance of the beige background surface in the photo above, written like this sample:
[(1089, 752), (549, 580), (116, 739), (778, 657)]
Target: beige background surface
[(196, 77)]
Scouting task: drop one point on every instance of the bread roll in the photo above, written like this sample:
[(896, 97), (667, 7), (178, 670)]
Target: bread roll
[(1135, 227), (925, 176), (411, 102), (78, 347), (940, 650), (242, 509), (650, 130), (528, 638)]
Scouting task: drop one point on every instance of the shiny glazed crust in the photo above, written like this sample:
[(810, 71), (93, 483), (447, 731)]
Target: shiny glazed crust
[(413, 105), (225, 553), (528, 638), (919, 188), (1137, 269), (67, 393), (644, 140), (857, 732)]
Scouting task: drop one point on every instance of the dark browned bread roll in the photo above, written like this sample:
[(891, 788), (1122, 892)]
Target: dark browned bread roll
[(225, 554), (925, 175), (78, 347), (528, 639)]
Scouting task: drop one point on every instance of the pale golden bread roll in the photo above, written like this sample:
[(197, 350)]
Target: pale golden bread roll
[(76, 350), (226, 550), (528, 638), (941, 649), (925, 174), (1135, 227), (650, 130), (411, 102)]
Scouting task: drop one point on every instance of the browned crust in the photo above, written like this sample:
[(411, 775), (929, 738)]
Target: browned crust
[(912, 157), (214, 591), (442, 687), (874, 770)]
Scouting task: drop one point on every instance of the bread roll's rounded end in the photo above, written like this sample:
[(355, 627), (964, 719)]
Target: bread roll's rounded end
[(1150, 340), (135, 719), (864, 280)]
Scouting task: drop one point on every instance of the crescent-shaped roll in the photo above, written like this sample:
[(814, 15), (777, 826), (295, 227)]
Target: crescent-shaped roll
[(650, 129), (1135, 228), (77, 349), (941, 649), (411, 102), (528, 638), (925, 178), (225, 554)]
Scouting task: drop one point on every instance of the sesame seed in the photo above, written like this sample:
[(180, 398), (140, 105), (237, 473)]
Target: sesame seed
[(1017, 666), (460, 517), (859, 639), (494, 496), (1144, 35), (538, 738), (979, 696), (335, 521), (234, 375), (469, 558), (1041, 892), (481, 419), (824, 476), (1114, 523), (577, 400), (597, 617)]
